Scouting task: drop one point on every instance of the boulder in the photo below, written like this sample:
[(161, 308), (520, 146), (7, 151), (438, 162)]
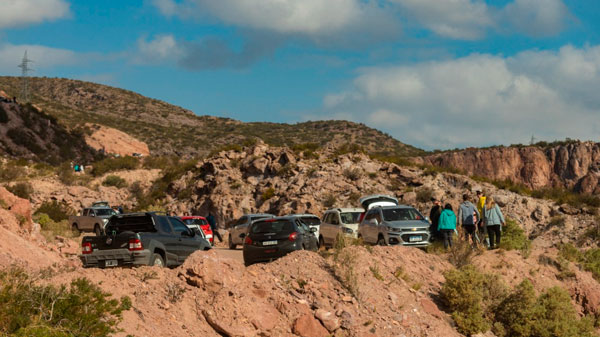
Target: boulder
[(307, 326), (328, 319)]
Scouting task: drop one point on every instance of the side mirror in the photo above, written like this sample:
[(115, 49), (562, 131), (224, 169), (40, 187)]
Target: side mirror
[(313, 230), (243, 235)]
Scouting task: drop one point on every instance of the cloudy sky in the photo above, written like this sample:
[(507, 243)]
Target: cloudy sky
[(436, 74)]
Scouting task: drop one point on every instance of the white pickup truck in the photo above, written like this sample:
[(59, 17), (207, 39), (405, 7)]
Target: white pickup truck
[(92, 219)]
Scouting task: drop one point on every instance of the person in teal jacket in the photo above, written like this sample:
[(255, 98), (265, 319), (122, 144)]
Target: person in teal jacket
[(447, 225)]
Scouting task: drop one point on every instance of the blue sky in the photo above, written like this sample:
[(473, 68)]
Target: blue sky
[(436, 74)]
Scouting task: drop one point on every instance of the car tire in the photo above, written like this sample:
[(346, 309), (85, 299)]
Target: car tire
[(75, 229), (381, 241), (231, 244), (97, 230), (157, 260)]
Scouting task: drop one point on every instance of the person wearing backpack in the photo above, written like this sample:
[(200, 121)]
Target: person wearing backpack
[(447, 225), (467, 212), (494, 220)]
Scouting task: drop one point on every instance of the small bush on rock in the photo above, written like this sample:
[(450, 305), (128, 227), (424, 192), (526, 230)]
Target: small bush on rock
[(115, 164), (424, 195), (21, 190), (513, 238), (82, 309), (55, 210), (115, 181)]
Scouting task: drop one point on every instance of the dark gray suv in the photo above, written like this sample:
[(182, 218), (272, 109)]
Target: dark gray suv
[(393, 225)]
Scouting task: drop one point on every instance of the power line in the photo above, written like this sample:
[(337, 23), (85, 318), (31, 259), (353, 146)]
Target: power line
[(25, 69)]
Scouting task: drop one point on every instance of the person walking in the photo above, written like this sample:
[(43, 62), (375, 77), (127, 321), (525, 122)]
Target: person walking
[(494, 220), (213, 226), (434, 217), (447, 225), (481, 227), (466, 217)]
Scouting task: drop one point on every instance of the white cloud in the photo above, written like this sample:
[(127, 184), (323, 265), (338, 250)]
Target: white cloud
[(23, 12), (457, 19), (536, 17), (480, 99), (43, 57), (307, 17), (159, 49)]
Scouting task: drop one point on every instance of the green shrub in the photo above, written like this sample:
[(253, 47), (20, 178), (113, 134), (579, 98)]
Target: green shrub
[(11, 172), (591, 262), (115, 181), (424, 195), (158, 162), (114, 164), (557, 221), (550, 314), (268, 194), (21, 190), (569, 252), (513, 238), (329, 201), (348, 148), (57, 211), (81, 309), (472, 297), (352, 173)]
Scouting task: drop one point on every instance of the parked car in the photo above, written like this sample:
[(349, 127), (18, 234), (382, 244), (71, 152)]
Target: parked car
[(199, 224), (375, 200), (92, 219), (240, 226), (339, 220), (141, 239), (271, 238), (393, 225), (311, 220)]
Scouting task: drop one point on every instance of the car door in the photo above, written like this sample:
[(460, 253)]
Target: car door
[(187, 243), (238, 229), (335, 227), (307, 236), (380, 227), (168, 239), (324, 226), (368, 227), (90, 220)]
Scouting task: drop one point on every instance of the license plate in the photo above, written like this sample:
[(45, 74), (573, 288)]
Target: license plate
[(415, 238), (269, 243), (111, 263)]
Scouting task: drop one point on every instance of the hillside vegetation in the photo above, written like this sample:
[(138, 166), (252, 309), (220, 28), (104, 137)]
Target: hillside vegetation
[(169, 129)]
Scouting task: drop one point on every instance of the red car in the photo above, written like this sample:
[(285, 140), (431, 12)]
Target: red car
[(197, 222)]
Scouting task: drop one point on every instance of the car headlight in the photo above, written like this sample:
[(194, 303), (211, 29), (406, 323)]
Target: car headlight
[(393, 229), (347, 230), (105, 221)]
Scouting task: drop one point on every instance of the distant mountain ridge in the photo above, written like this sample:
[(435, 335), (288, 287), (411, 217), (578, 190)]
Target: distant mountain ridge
[(169, 129)]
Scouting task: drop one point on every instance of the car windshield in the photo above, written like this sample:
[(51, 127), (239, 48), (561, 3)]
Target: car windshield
[(272, 226), (105, 211), (401, 214), (311, 220), (199, 222), (350, 217)]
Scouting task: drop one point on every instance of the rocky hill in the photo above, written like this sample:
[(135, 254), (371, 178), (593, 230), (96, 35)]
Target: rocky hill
[(169, 129), (27, 132), (574, 165)]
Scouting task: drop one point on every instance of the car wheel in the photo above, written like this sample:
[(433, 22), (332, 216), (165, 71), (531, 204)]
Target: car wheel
[(157, 260), (231, 244), (381, 241), (97, 230), (75, 229)]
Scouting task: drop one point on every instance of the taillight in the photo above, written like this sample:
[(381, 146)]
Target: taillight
[(248, 240), (86, 248), (135, 244), (293, 236)]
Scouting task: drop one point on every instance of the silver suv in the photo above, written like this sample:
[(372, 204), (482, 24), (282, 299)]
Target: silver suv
[(393, 225), (339, 220), (240, 226)]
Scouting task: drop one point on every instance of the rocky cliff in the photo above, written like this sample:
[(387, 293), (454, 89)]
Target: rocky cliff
[(574, 166)]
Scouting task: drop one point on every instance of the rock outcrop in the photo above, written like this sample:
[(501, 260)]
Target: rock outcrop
[(574, 166)]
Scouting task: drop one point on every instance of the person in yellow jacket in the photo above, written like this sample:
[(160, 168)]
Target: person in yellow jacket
[(482, 229)]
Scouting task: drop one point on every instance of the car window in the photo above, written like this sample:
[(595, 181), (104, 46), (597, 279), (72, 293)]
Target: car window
[(311, 220), (105, 211), (401, 214), (178, 226), (163, 224), (350, 217), (199, 222), (85, 212), (326, 217), (242, 220), (277, 226), (334, 219), (254, 218)]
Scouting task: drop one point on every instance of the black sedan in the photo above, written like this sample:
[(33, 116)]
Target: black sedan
[(270, 239)]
